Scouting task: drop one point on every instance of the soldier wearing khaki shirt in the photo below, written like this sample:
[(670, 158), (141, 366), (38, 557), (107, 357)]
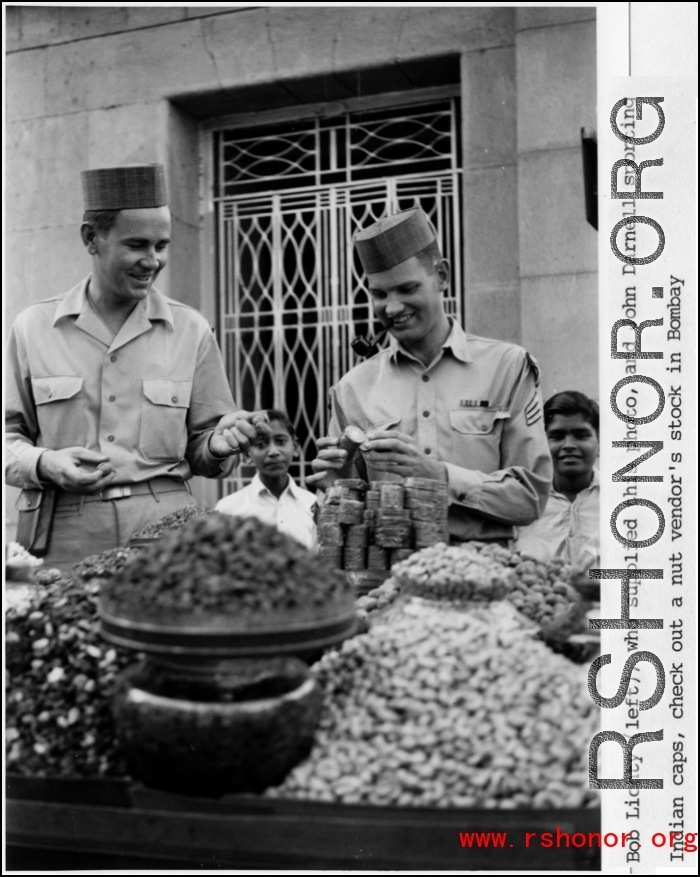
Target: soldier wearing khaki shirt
[(441, 404), (116, 395)]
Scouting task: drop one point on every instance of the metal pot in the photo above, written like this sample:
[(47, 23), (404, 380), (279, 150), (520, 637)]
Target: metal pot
[(237, 726)]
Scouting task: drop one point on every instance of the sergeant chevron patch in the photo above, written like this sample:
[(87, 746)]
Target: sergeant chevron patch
[(533, 412)]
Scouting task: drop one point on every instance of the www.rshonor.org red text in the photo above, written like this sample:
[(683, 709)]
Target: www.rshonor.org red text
[(559, 838)]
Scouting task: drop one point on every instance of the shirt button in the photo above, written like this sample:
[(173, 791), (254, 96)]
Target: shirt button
[(484, 427), (427, 450), (113, 359), (426, 414), (425, 378), (110, 438), (112, 398), (462, 496), (174, 399)]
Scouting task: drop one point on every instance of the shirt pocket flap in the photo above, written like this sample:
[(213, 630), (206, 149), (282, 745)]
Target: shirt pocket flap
[(174, 394), (54, 388), (476, 421)]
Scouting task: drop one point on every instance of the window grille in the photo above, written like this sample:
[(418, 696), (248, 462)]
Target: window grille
[(291, 290)]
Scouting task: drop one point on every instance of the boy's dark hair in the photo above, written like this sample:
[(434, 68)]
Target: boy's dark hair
[(276, 414), (101, 220), (429, 257), (572, 402)]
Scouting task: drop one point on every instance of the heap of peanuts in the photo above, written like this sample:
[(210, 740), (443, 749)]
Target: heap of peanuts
[(482, 572), (449, 707)]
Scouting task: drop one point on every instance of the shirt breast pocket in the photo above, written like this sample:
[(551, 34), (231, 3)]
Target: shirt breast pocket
[(164, 407), (476, 437), (60, 411)]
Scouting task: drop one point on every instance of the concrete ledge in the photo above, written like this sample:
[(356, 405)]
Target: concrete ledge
[(548, 16), (29, 27)]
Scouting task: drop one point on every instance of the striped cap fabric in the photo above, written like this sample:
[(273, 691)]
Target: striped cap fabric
[(393, 239), (124, 188)]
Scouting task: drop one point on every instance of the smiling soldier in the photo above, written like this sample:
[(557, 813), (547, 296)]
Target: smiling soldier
[(438, 403), (116, 394)]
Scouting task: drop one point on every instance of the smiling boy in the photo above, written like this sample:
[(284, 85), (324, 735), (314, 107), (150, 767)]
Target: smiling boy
[(116, 395), (440, 404), (273, 496), (570, 525)]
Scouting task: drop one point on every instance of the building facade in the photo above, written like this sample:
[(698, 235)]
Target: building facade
[(282, 130)]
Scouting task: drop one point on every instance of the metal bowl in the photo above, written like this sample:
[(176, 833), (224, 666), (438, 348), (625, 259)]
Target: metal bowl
[(214, 746), (227, 635)]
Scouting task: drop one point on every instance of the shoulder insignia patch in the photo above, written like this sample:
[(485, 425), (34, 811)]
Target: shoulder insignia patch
[(533, 411)]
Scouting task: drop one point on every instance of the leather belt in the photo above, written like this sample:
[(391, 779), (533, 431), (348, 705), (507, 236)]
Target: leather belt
[(161, 484)]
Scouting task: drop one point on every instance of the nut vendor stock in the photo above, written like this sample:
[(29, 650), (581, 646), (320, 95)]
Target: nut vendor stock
[(441, 701)]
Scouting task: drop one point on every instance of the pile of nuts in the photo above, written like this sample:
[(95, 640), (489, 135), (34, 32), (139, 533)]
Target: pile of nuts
[(60, 677), (19, 560), (174, 521), (450, 707), (224, 564), (104, 565), (481, 571)]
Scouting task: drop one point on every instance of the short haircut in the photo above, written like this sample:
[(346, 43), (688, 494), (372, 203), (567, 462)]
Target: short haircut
[(572, 402), (276, 414), (429, 257), (101, 220)]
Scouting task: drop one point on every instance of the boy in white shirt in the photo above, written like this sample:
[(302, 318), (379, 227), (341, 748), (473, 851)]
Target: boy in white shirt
[(272, 496), (570, 525)]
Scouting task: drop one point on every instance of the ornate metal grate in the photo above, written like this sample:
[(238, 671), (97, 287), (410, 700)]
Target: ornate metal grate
[(291, 289)]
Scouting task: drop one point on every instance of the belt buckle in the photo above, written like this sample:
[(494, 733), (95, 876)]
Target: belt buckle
[(117, 492)]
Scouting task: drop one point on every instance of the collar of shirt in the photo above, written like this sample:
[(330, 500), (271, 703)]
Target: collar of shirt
[(594, 483), (456, 342), (258, 486), (154, 307)]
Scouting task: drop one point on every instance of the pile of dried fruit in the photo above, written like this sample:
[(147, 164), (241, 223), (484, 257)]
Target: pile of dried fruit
[(478, 571), (224, 564), (59, 682), (104, 565), (174, 521), (449, 707)]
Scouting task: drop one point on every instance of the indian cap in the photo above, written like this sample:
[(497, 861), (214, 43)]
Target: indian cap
[(393, 239), (124, 188)]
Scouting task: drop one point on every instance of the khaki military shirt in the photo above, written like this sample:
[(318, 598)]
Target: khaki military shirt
[(477, 408), (146, 398)]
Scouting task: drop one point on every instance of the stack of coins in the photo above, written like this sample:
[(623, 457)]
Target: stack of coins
[(330, 532), (355, 552), (366, 528), (427, 501), (393, 528)]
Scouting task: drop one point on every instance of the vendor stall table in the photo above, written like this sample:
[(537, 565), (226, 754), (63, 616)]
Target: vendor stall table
[(114, 824)]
